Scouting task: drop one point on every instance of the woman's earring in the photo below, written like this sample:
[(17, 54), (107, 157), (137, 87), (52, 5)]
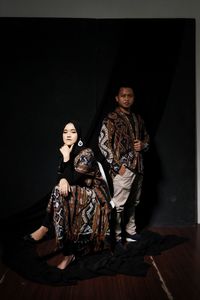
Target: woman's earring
[(80, 143)]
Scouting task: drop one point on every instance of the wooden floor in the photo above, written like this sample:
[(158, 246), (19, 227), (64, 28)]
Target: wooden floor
[(175, 274)]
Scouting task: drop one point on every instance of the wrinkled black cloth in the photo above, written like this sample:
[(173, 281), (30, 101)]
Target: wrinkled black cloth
[(22, 257)]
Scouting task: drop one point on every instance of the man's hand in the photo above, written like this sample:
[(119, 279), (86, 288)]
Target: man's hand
[(122, 170), (138, 145)]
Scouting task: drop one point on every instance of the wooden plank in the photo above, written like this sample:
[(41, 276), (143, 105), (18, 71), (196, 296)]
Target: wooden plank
[(179, 268)]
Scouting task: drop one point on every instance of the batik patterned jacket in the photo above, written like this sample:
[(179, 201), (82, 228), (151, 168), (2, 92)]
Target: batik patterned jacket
[(116, 141)]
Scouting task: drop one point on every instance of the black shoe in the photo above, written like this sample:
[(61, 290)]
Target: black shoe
[(132, 237), (30, 239)]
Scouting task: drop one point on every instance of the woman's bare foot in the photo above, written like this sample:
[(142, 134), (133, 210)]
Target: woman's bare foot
[(66, 261), (39, 233)]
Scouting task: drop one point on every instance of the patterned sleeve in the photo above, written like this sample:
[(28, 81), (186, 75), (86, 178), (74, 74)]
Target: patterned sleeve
[(84, 162), (145, 136), (105, 144)]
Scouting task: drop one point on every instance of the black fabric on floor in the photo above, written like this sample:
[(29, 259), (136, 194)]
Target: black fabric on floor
[(23, 258)]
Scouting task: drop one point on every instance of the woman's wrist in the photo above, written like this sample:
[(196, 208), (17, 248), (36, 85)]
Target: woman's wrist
[(65, 158)]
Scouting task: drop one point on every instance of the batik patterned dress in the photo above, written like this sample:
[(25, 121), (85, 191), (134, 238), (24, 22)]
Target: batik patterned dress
[(84, 213)]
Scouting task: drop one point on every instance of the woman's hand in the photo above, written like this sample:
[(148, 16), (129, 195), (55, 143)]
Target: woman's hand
[(64, 187), (66, 150)]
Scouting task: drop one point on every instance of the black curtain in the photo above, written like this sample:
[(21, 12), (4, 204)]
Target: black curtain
[(55, 69)]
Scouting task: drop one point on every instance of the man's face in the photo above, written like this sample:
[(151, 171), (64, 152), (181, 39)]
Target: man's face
[(125, 98)]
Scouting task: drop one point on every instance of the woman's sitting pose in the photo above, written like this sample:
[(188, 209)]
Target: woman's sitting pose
[(78, 206)]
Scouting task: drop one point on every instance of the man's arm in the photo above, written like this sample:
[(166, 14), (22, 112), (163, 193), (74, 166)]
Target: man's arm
[(106, 145)]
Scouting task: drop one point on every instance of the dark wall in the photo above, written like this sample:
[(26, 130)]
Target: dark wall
[(55, 69)]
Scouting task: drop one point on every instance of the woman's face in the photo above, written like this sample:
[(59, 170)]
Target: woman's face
[(70, 134)]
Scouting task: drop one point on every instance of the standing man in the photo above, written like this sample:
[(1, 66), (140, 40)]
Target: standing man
[(123, 139)]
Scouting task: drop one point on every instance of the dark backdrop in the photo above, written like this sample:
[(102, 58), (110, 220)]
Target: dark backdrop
[(55, 69)]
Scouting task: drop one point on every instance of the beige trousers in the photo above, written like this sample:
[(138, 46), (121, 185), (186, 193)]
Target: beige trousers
[(122, 187)]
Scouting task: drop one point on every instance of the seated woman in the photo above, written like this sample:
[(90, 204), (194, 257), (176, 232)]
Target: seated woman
[(79, 203)]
